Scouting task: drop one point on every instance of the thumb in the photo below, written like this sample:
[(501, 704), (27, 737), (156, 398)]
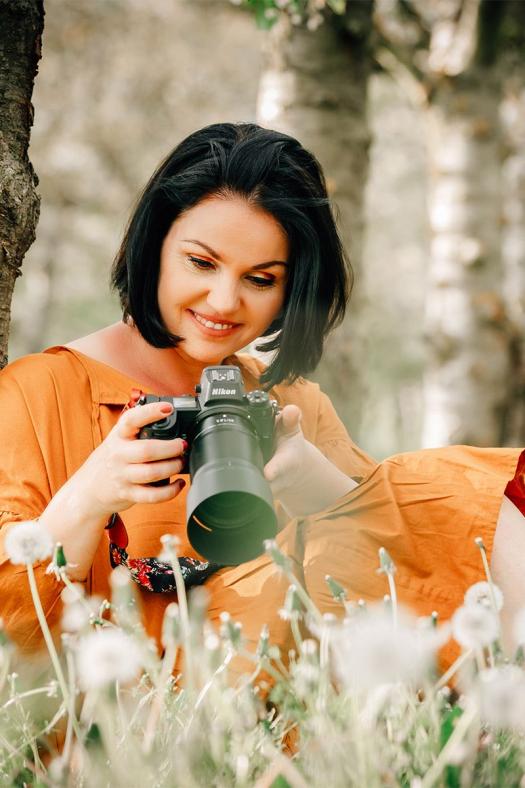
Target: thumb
[(290, 423)]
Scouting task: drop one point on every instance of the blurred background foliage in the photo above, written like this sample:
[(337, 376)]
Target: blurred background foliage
[(121, 82)]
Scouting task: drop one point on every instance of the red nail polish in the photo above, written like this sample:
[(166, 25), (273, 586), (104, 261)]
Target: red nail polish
[(166, 407), (185, 445)]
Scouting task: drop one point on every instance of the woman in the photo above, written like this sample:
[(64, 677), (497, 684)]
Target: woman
[(232, 239)]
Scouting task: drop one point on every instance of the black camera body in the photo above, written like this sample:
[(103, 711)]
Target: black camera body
[(230, 434)]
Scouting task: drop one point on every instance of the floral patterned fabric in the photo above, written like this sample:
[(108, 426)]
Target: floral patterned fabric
[(152, 573)]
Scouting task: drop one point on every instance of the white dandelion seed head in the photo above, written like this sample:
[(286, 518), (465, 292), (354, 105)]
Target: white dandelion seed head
[(28, 542), (72, 593), (501, 697), (75, 617), (170, 541), (479, 594), (309, 648), (119, 578), (371, 651), (212, 642), (78, 613), (475, 626), (242, 768), (106, 656)]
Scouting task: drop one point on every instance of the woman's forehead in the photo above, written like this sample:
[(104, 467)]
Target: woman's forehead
[(226, 223)]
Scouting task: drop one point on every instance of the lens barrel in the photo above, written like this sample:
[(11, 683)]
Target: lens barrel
[(229, 504)]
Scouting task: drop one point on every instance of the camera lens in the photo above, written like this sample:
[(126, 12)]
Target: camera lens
[(229, 504)]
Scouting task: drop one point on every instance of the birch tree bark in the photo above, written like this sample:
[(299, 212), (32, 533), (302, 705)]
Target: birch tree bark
[(21, 26), (467, 381), (513, 121), (315, 87), (450, 55)]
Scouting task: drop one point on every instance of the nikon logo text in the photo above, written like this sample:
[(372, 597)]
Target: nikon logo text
[(223, 392)]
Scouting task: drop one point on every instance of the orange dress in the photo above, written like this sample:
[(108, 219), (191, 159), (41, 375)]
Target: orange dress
[(425, 507), (55, 408)]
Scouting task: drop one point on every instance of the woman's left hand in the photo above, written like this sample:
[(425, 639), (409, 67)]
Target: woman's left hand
[(300, 476)]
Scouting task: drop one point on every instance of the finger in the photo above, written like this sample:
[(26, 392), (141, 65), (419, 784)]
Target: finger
[(148, 472), (153, 449), (146, 494), (290, 420), (275, 470), (277, 481), (133, 419)]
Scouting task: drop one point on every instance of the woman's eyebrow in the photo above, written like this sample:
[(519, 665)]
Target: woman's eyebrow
[(219, 258)]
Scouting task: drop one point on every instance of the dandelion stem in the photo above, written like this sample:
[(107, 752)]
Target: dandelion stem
[(456, 665), (168, 663), (28, 694), (461, 728), (66, 754), (296, 632), (488, 574), (264, 663), (393, 596), (49, 642), (301, 593), (184, 617)]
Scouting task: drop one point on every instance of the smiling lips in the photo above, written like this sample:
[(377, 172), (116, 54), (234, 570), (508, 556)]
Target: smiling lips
[(221, 328)]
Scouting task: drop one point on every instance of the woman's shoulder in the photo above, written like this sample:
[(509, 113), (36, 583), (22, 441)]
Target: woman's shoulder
[(34, 368), (41, 381)]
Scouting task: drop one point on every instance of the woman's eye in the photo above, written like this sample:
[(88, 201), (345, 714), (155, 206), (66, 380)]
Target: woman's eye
[(261, 281), (201, 264)]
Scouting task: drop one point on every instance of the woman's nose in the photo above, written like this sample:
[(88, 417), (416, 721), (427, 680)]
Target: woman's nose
[(223, 296)]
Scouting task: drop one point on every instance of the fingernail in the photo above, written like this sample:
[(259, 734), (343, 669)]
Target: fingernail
[(182, 484), (185, 445), (166, 407)]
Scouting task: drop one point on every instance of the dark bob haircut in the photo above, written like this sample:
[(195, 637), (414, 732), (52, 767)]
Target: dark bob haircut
[(274, 172)]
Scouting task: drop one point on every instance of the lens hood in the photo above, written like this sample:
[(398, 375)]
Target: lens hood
[(230, 511)]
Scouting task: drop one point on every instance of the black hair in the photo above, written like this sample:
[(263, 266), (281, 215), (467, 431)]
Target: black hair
[(274, 172)]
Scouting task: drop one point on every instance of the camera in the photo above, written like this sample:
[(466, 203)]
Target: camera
[(230, 433)]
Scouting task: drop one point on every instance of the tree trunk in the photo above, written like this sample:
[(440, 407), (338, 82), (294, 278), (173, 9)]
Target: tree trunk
[(467, 382), (315, 88), (513, 113), (21, 26)]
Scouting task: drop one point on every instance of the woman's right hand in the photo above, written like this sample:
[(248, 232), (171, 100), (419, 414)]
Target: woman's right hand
[(119, 472)]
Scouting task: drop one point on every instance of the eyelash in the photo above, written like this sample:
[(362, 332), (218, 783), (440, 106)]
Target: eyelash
[(259, 282)]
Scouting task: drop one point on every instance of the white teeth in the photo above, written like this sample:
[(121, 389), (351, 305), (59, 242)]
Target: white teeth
[(210, 324)]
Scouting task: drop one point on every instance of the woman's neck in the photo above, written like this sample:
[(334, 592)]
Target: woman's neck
[(162, 366)]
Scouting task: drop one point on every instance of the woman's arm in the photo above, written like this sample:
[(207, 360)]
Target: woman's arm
[(116, 475), (301, 477), (508, 568)]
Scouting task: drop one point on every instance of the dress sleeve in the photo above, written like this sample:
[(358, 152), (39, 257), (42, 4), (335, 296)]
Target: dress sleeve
[(32, 467), (426, 508), (336, 444)]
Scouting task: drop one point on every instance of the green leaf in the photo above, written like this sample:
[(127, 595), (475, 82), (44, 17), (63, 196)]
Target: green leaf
[(452, 774), (280, 782)]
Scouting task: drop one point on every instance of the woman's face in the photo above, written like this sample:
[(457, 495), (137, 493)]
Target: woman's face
[(223, 268)]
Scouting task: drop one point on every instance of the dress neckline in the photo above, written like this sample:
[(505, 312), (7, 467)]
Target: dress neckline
[(246, 362)]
